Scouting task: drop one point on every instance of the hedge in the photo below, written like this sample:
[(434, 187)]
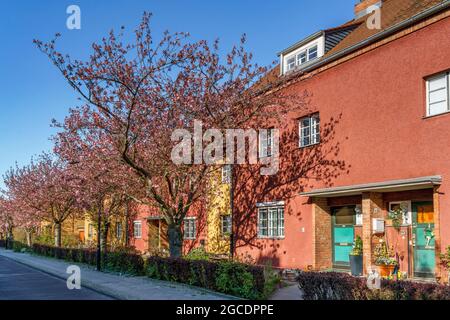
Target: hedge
[(232, 278), (2, 243), (124, 260), (341, 286)]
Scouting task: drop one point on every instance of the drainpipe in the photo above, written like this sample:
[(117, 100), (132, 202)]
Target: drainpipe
[(231, 210)]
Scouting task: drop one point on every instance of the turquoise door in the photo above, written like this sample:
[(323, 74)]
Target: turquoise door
[(423, 240), (343, 235)]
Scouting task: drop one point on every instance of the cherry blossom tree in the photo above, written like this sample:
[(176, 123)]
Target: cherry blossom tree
[(6, 219), (44, 190), (136, 94)]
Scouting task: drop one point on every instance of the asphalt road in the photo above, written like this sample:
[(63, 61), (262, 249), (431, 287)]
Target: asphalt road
[(20, 282)]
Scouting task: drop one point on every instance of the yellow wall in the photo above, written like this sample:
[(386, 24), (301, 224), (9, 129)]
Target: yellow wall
[(218, 205)]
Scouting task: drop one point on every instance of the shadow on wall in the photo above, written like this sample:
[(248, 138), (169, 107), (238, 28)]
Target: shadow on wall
[(299, 169)]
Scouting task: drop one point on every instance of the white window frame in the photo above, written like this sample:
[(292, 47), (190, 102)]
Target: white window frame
[(275, 228), (137, 232), (226, 174), (447, 82), (222, 220), (189, 228), (266, 144), (407, 218), (90, 230), (313, 129)]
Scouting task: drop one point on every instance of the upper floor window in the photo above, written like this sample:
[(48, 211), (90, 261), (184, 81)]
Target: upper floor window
[(302, 57), (271, 222), (266, 143), (438, 96), (309, 130), (225, 222), (137, 229), (189, 229), (226, 173)]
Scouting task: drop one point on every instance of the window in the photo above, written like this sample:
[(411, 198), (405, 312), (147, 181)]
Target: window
[(438, 96), (225, 225), (137, 228), (312, 53), (189, 229), (271, 222), (405, 206), (301, 58), (309, 130), (290, 63), (119, 230), (226, 173), (90, 230), (266, 143)]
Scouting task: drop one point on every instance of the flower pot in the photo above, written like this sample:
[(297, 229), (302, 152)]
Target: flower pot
[(386, 270), (356, 265)]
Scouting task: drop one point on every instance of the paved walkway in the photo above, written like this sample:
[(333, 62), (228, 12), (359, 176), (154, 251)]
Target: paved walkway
[(290, 292), (117, 286)]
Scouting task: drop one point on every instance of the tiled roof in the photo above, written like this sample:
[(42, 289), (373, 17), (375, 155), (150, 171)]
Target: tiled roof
[(392, 13)]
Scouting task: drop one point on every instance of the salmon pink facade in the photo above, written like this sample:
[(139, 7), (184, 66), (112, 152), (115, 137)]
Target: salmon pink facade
[(379, 149)]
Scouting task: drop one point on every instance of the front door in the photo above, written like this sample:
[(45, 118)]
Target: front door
[(423, 240), (343, 235)]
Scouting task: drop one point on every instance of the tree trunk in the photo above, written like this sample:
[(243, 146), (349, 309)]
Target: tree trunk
[(175, 240), (104, 239), (28, 233), (58, 234)]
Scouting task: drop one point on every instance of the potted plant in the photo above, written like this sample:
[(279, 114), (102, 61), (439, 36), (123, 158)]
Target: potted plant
[(384, 260), (356, 257)]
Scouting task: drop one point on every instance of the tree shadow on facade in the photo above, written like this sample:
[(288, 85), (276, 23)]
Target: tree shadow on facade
[(300, 169)]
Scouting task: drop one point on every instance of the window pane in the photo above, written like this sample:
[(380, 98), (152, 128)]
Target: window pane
[(301, 57), (438, 95), (312, 53), (437, 108), (438, 83)]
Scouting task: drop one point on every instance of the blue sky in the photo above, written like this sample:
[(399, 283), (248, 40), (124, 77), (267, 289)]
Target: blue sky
[(33, 92)]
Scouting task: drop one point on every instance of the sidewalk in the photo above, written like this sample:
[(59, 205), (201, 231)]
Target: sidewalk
[(116, 286)]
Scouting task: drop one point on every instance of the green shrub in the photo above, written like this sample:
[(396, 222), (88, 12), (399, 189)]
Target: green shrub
[(198, 254), (233, 278), (125, 260), (19, 246)]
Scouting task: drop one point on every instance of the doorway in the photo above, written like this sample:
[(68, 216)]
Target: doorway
[(423, 240), (343, 235)]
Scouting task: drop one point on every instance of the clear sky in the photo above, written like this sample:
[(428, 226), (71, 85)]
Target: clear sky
[(32, 91)]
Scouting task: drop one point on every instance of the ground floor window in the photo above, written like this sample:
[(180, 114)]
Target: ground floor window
[(271, 222), (189, 229), (119, 230), (137, 228), (225, 222)]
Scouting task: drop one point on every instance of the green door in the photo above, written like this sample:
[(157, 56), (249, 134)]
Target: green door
[(343, 235), (423, 240)]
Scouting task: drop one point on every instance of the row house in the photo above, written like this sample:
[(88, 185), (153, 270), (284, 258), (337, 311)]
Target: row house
[(371, 136)]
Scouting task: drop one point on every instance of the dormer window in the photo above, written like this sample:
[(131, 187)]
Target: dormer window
[(312, 53), (290, 63), (302, 53)]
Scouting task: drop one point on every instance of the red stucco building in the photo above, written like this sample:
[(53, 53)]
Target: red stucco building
[(374, 138)]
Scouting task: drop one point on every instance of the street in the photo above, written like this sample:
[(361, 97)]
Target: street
[(19, 282)]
